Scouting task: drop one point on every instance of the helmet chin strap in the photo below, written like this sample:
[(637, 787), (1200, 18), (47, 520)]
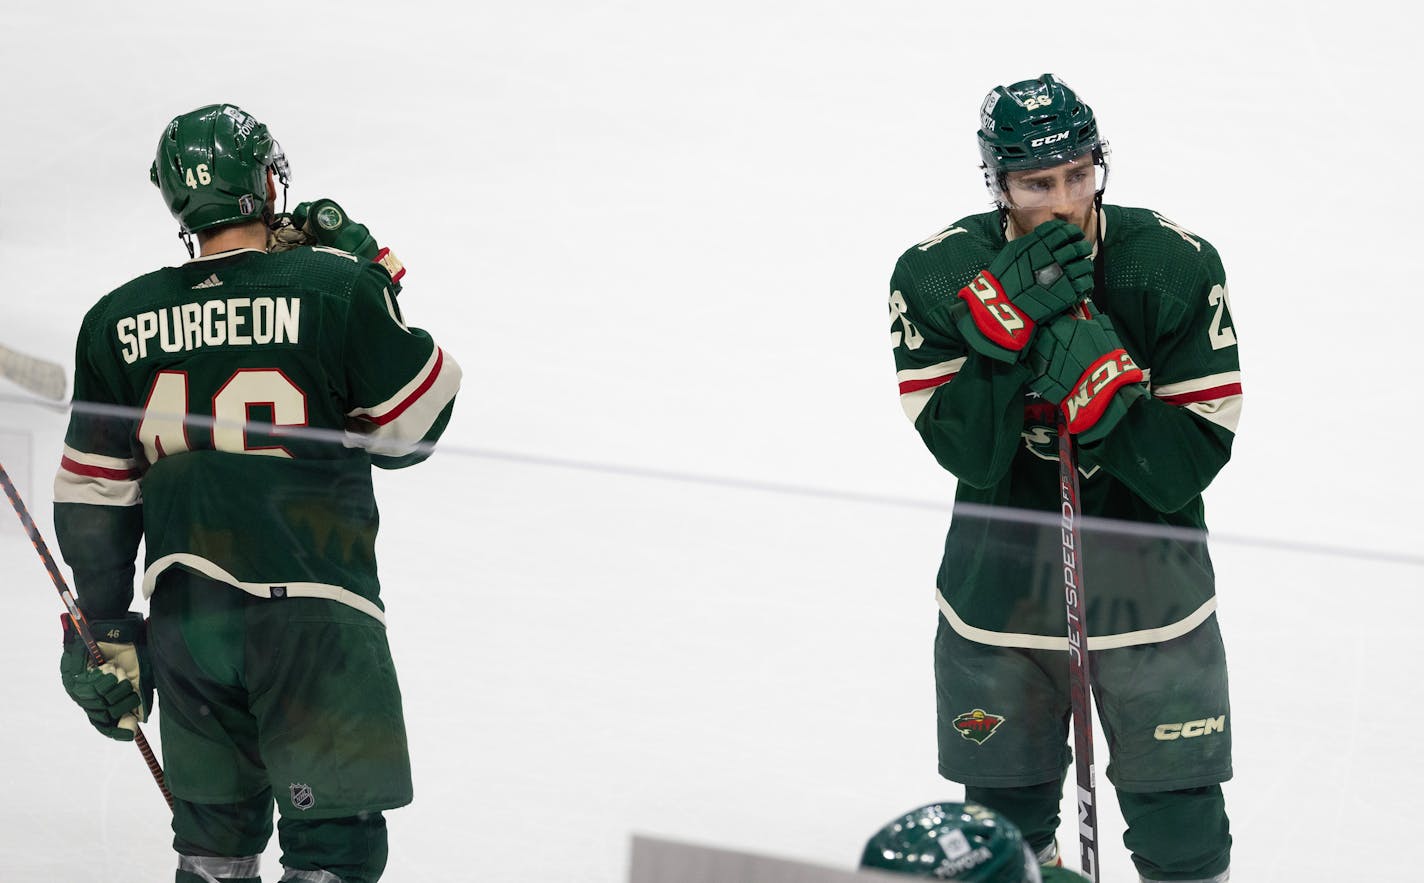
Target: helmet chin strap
[(1099, 256), (269, 217), (187, 239)]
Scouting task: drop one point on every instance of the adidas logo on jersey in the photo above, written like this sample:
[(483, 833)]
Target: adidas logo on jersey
[(211, 282)]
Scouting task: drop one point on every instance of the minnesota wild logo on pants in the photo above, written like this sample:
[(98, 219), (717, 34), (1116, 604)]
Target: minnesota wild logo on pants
[(977, 725)]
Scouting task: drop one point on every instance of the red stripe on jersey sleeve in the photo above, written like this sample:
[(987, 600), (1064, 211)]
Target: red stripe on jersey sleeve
[(910, 386), (411, 399), (78, 468), (1203, 395)]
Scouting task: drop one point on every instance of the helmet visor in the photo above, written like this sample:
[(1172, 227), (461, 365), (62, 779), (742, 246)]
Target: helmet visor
[(1074, 181), (277, 160)]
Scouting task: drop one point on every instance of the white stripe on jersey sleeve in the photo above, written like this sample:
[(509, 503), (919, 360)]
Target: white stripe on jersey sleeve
[(1198, 384), (400, 422), (96, 479), (1215, 397), (918, 384)]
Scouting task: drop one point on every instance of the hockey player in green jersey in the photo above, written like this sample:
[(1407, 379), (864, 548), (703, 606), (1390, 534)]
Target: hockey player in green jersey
[(227, 413), (1056, 306)]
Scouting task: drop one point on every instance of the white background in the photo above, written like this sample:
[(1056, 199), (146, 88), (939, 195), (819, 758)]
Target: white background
[(657, 236)]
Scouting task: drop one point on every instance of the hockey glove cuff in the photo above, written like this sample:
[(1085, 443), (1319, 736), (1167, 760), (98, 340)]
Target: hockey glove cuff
[(1080, 365), (992, 326), (118, 695)]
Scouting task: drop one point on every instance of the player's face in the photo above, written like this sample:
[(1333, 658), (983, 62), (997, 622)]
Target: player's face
[(1064, 191)]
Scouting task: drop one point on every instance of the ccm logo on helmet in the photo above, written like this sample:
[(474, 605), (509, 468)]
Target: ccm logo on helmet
[(1048, 139), (1190, 729)]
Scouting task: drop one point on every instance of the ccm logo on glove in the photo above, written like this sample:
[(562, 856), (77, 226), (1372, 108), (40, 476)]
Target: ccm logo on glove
[(1001, 321), (1090, 397)]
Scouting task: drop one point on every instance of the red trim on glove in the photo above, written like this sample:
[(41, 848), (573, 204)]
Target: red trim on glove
[(994, 314), (1091, 395), (392, 264)]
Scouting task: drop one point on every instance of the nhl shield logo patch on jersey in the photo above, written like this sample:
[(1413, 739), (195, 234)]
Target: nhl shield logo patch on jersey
[(977, 725), (302, 797)]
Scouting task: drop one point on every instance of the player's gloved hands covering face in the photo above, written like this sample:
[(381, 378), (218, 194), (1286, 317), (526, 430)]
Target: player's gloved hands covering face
[(323, 222), (1036, 277), (117, 695), (1080, 365)]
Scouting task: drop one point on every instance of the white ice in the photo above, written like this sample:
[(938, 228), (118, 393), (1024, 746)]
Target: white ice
[(657, 236)]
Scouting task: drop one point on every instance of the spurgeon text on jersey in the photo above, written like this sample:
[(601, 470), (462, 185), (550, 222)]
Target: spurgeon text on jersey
[(233, 321)]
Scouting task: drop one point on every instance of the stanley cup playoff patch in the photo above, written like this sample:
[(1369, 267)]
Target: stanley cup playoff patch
[(977, 725), (302, 797)]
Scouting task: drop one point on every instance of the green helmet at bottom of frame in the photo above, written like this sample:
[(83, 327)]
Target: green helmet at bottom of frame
[(953, 841), (211, 167), (1033, 124)]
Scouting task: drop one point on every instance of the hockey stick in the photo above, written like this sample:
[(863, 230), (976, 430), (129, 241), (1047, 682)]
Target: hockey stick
[(1080, 674), (37, 375), (76, 616)]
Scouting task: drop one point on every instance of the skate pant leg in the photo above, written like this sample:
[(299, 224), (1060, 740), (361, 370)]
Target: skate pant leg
[(350, 850), (296, 697), (1033, 809), (1165, 712), (209, 734), (221, 842), (1177, 835), (1002, 711)]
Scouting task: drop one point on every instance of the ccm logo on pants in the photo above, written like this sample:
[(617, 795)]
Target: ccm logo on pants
[(1190, 729)]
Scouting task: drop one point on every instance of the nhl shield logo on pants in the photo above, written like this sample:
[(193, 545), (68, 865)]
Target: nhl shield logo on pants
[(302, 797)]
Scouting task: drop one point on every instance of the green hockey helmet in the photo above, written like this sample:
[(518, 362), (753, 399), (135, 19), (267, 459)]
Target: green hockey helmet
[(1034, 124), (953, 841), (212, 167)]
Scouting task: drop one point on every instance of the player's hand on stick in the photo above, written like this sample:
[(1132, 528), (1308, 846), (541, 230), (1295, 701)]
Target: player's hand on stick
[(1036, 277), (323, 222), (1080, 365), (119, 694)]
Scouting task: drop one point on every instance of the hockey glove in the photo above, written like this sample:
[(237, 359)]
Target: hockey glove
[(117, 695), (284, 235), (1080, 365), (323, 222), (1036, 277)]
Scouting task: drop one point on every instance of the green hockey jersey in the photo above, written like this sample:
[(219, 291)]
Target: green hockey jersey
[(228, 411), (1000, 581)]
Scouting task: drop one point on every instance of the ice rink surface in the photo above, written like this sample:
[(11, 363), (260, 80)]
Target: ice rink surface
[(673, 570)]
